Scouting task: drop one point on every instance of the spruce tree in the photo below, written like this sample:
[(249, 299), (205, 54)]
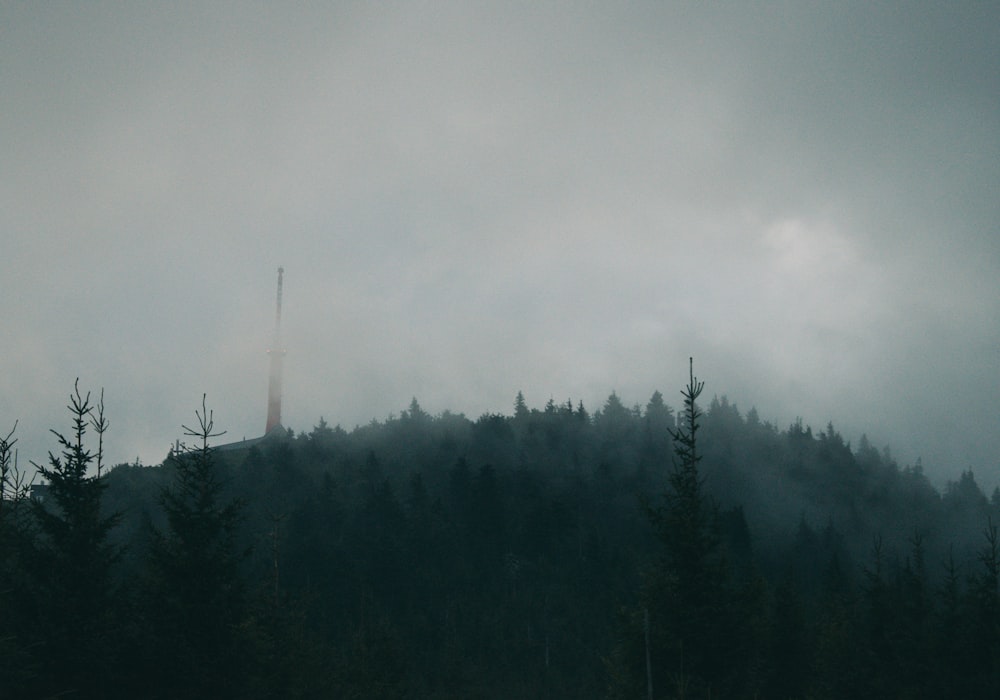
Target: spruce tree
[(197, 601), (16, 666), (74, 561), (697, 634)]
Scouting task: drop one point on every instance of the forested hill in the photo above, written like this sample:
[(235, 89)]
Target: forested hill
[(548, 553)]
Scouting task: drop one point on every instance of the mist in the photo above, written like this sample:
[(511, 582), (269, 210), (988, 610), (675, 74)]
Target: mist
[(469, 202)]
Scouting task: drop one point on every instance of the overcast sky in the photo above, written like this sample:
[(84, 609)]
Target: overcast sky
[(471, 199)]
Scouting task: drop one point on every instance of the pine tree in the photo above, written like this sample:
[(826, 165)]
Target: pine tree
[(16, 666), (520, 407), (687, 594), (197, 601), (73, 567), (984, 611), (690, 628), (686, 523)]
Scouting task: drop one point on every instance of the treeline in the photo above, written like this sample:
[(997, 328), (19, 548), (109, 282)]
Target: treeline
[(631, 552)]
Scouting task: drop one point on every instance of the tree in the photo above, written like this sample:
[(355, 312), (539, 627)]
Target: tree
[(659, 422), (984, 618), (74, 559), (690, 627), (687, 607), (686, 523), (613, 420), (13, 487), (16, 666), (416, 414), (520, 407), (196, 602)]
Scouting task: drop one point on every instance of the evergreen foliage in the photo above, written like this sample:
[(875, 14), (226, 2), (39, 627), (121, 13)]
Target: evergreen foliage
[(71, 564), (196, 605), (550, 553), (17, 668)]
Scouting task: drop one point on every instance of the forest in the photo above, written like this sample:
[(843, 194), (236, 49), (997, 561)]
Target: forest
[(651, 551)]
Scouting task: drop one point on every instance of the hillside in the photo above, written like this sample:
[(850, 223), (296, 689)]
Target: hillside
[(512, 556)]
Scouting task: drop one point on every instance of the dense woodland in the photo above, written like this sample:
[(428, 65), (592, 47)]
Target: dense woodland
[(628, 552)]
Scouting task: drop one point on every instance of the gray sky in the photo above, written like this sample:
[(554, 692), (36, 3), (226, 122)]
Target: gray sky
[(475, 198)]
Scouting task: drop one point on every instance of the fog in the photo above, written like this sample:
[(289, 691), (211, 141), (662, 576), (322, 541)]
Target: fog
[(468, 201)]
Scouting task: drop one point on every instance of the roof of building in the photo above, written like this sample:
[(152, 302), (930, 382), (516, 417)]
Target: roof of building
[(245, 444)]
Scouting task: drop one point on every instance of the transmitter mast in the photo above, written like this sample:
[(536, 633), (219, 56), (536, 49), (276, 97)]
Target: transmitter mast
[(277, 354)]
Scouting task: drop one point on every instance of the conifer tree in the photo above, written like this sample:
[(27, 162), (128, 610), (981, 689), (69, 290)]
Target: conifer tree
[(197, 602), (984, 619), (13, 488), (688, 582), (520, 407), (73, 566), (686, 522), (698, 630), (687, 639), (16, 666)]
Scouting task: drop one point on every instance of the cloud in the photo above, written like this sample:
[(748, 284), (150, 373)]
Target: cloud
[(469, 201)]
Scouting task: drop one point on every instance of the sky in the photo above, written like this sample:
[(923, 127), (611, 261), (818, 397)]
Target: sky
[(472, 199)]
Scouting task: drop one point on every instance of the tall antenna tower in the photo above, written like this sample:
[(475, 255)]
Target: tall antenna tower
[(277, 354)]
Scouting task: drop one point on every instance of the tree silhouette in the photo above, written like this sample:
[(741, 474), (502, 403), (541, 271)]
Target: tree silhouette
[(698, 620), (197, 597), (16, 666), (73, 566)]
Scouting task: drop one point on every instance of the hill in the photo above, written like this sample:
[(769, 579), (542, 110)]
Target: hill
[(530, 554)]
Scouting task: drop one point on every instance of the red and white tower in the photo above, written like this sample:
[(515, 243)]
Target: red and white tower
[(277, 354)]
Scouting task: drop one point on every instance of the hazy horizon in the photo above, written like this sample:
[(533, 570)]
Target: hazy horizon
[(475, 200)]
